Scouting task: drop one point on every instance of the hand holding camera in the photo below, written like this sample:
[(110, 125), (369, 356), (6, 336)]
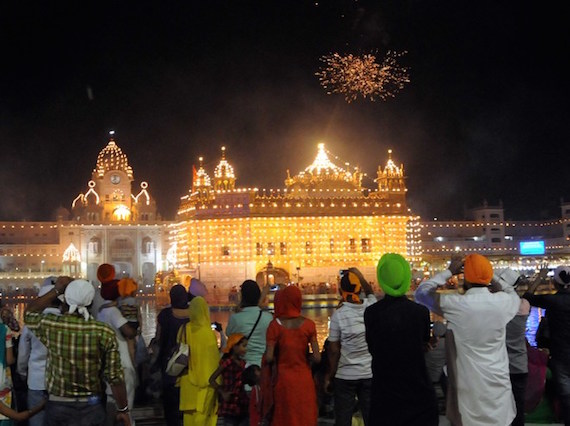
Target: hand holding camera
[(456, 264)]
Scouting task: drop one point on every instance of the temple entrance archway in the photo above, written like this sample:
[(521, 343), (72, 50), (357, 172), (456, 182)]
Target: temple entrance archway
[(272, 276)]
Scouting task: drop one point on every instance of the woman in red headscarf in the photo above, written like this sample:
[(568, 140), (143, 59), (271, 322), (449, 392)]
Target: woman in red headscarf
[(288, 338)]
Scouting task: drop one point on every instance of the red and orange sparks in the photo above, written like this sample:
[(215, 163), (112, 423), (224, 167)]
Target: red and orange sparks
[(354, 76)]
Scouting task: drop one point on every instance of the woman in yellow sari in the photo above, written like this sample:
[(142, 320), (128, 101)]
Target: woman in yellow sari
[(198, 400)]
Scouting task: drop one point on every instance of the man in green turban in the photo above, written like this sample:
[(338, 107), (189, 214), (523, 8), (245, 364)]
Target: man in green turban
[(397, 333)]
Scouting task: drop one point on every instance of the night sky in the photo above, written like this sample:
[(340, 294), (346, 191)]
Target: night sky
[(485, 116)]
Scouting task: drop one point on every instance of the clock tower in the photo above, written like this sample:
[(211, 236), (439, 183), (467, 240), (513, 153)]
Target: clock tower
[(110, 196)]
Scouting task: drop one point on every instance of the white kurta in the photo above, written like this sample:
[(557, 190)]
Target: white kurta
[(478, 319)]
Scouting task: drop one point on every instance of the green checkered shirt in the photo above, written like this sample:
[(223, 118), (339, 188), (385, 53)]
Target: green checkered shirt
[(80, 353)]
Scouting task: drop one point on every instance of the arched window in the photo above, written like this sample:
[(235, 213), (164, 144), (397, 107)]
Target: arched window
[(147, 245)]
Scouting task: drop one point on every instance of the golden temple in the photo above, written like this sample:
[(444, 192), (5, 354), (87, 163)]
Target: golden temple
[(322, 221)]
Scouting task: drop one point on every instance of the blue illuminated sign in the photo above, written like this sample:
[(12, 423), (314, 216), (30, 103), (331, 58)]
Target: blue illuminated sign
[(531, 248)]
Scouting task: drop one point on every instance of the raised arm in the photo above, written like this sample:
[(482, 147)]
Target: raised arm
[(533, 285), (40, 303), (426, 292)]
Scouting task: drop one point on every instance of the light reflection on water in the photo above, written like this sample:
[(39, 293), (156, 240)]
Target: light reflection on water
[(320, 316)]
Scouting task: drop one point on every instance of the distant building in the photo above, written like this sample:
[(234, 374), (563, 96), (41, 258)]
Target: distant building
[(323, 221), (109, 223), (518, 244)]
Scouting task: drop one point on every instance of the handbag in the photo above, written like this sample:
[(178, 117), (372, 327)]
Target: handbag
[(178, 361)]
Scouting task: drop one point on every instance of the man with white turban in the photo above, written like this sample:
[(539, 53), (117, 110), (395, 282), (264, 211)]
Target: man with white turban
[(80, 351)]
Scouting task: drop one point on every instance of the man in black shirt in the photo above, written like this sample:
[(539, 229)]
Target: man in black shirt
[(558, 313), (397, 333)]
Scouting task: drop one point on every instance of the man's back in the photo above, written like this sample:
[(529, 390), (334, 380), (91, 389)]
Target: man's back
[(396, 331), (478, 320), (77, 352), (480, 316), (558, 312), (347, 327)]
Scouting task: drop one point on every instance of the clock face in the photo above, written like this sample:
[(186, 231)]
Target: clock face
[(115, 179)]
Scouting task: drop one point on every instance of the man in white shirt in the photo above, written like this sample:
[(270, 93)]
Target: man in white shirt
[(349, 359), (477, 319), (110, 314)]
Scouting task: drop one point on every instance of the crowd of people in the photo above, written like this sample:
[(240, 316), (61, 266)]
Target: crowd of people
[(385, 354)]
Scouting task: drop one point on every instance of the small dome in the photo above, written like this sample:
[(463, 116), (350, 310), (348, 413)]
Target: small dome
[(112, 158), (391, 170), (224, 169), (201, 178)]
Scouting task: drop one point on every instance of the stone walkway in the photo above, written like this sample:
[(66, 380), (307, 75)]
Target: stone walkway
[(151, 415)]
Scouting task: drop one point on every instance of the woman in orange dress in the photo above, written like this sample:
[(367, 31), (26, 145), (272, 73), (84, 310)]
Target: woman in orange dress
[(288, 338)]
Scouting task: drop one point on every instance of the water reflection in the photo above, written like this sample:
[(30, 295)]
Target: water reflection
[(321, 317)]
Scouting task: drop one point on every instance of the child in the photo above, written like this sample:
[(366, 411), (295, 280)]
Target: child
[(233, 399), (129, 307), (252, 377)]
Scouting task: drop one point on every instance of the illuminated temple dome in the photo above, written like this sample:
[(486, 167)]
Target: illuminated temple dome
[(225, 178), (323, 178), (391, 179), (110, 197), (112, 158), (201, 178)]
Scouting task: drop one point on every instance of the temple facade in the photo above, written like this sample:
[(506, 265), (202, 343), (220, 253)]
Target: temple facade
[(110, 222), (323, 220)]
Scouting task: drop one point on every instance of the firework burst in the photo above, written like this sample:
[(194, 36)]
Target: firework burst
[(353, 76)]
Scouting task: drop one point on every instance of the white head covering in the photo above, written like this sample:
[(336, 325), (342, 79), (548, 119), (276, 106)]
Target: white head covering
[(506, 277), (78, 295), (45, 289), (49, 281), (562, 276)]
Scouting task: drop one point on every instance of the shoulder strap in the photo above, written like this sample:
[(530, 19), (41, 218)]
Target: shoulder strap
[(255, 325), (182, 333)]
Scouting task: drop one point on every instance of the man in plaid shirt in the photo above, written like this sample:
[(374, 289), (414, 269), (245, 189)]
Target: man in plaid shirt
[(81, 351)]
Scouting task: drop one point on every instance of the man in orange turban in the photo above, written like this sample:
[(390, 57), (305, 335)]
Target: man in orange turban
[(349, 359), (477, 321)]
